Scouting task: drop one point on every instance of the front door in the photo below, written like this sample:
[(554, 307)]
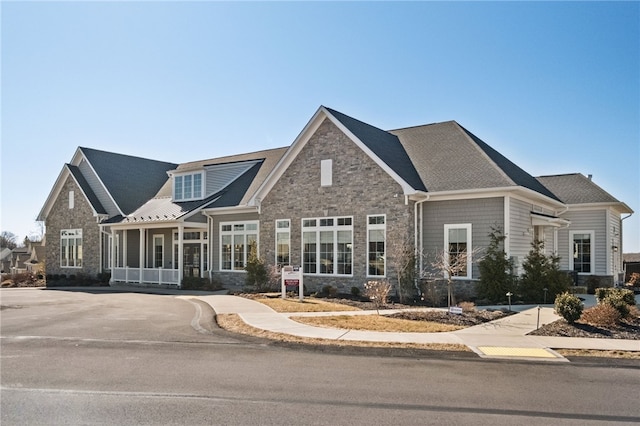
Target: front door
[(191, 260)]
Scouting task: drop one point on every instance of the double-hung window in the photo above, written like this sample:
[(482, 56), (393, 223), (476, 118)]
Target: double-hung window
[(71, 248), (457, 248), (327, 246), (283, 242), (376, 243), (236, 241), (582, 246), (187, 187)]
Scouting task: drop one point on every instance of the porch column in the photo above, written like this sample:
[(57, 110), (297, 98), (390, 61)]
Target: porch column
[(112, 255), (180, 254), (142, 244)]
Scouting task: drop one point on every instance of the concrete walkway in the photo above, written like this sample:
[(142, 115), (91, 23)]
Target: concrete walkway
[(503, 338)]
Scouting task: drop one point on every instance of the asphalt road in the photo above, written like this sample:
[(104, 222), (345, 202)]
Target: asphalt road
[(83, 358)]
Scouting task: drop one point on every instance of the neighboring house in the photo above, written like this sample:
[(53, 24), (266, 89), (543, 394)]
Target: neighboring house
[(19, 256), (336, 202), (37, 257), (5, 260), (631, 263)]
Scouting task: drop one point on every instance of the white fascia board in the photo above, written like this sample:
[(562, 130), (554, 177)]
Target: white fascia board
[(78, 159), (620, 207), (152, 225), (406, 188), (229, 210)]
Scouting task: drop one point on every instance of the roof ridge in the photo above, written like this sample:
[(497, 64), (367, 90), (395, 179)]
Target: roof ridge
[(423, 125)]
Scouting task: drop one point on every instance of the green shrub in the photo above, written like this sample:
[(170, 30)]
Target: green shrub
[(197, 283), (603, 315), (619, 298), (592, 284), (540, 272), (569, 307), (496, 270), (328, 291), (355, 291)]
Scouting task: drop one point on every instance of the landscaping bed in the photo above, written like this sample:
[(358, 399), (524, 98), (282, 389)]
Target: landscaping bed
[(628, 328)]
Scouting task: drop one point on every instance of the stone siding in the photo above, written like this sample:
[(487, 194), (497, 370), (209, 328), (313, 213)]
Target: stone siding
[(80, 217), (359, 188)]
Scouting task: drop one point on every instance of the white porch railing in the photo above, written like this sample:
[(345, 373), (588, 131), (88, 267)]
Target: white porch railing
[(149, 276)]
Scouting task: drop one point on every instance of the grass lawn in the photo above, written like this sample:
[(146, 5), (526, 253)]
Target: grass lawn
[(307, 305), (377, 323)]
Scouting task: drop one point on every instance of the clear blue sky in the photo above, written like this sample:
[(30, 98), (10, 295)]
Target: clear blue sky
[(553, 86)]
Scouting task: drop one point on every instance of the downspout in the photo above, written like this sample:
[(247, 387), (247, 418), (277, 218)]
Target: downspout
[(418, 242)]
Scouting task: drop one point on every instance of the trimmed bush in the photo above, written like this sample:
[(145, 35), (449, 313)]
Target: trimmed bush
[(603, 315), (569, 307), (621, 299), (355, 291)]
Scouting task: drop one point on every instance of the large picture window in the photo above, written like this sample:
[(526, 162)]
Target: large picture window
[(187, 187), (582, 251), (236, 239), (71, 248), (457, 246), (283, 242), (376, 243), (327, 246)]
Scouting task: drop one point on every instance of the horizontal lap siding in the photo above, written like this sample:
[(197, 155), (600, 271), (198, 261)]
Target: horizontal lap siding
[(520, 237), (483, 214), (586, 220)]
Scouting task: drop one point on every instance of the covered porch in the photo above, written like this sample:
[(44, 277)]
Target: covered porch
[(156, 256)]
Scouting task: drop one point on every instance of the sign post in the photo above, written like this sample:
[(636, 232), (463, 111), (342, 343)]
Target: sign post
[(292, 277)]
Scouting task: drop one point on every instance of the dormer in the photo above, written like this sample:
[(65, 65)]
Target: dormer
[(188, 186)]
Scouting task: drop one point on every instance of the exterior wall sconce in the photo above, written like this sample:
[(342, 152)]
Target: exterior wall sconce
[(614, 248)]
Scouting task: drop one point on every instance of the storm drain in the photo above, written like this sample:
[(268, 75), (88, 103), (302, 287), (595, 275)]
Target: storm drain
[(516, 352)]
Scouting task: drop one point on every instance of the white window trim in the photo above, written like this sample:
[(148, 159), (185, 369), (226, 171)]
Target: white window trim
[(161, 236), (467, 227), (592, 247), (282, 231), (194, 196), (233, 233), (72, 234), (377, 227), (334, 228)]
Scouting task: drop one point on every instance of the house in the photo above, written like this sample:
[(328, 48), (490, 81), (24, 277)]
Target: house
[(37, 257), (335, 202)]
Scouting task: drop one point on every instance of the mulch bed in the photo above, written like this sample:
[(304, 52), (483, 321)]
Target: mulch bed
[(628, 329)]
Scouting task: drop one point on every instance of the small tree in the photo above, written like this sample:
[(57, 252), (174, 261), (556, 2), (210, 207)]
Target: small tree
[(403, 259), (378, 292), (257, 274), (540, 272), (496, 270), (569, 307), (449, 265)]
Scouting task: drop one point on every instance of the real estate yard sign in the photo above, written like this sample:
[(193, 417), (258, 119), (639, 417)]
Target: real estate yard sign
[(292, 277)]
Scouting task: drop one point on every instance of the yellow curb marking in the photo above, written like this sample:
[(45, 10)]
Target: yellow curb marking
[(523, 352)]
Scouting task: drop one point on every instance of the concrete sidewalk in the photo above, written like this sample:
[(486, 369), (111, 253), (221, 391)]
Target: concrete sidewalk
[(503, 338)]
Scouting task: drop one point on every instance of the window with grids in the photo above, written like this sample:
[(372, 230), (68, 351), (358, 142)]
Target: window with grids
[(187, 187), (236, 240), (71, 248), (327, 246), (376, 245), (582, 256), (283, 242), (457, 245)]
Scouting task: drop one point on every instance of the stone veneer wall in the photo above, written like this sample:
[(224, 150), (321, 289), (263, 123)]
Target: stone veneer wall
[(360, 188), (80, 217)]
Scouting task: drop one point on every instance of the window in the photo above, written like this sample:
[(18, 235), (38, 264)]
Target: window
[(71, 248), (283, 242), (187, 187), (71, 199), (376, 239), (236, 239), (327, 246), (457, 246), (158, 251), (582, 247), (326, 172)]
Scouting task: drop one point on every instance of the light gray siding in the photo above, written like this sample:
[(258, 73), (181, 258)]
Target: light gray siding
[(98, 188), (521, 233), (585, 220), (482, 214), (221, 175)]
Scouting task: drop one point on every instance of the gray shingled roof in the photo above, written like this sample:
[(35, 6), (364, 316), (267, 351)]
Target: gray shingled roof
[(576, 188), (449, 158), (131, 181), (386, 146), (84, 185)]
